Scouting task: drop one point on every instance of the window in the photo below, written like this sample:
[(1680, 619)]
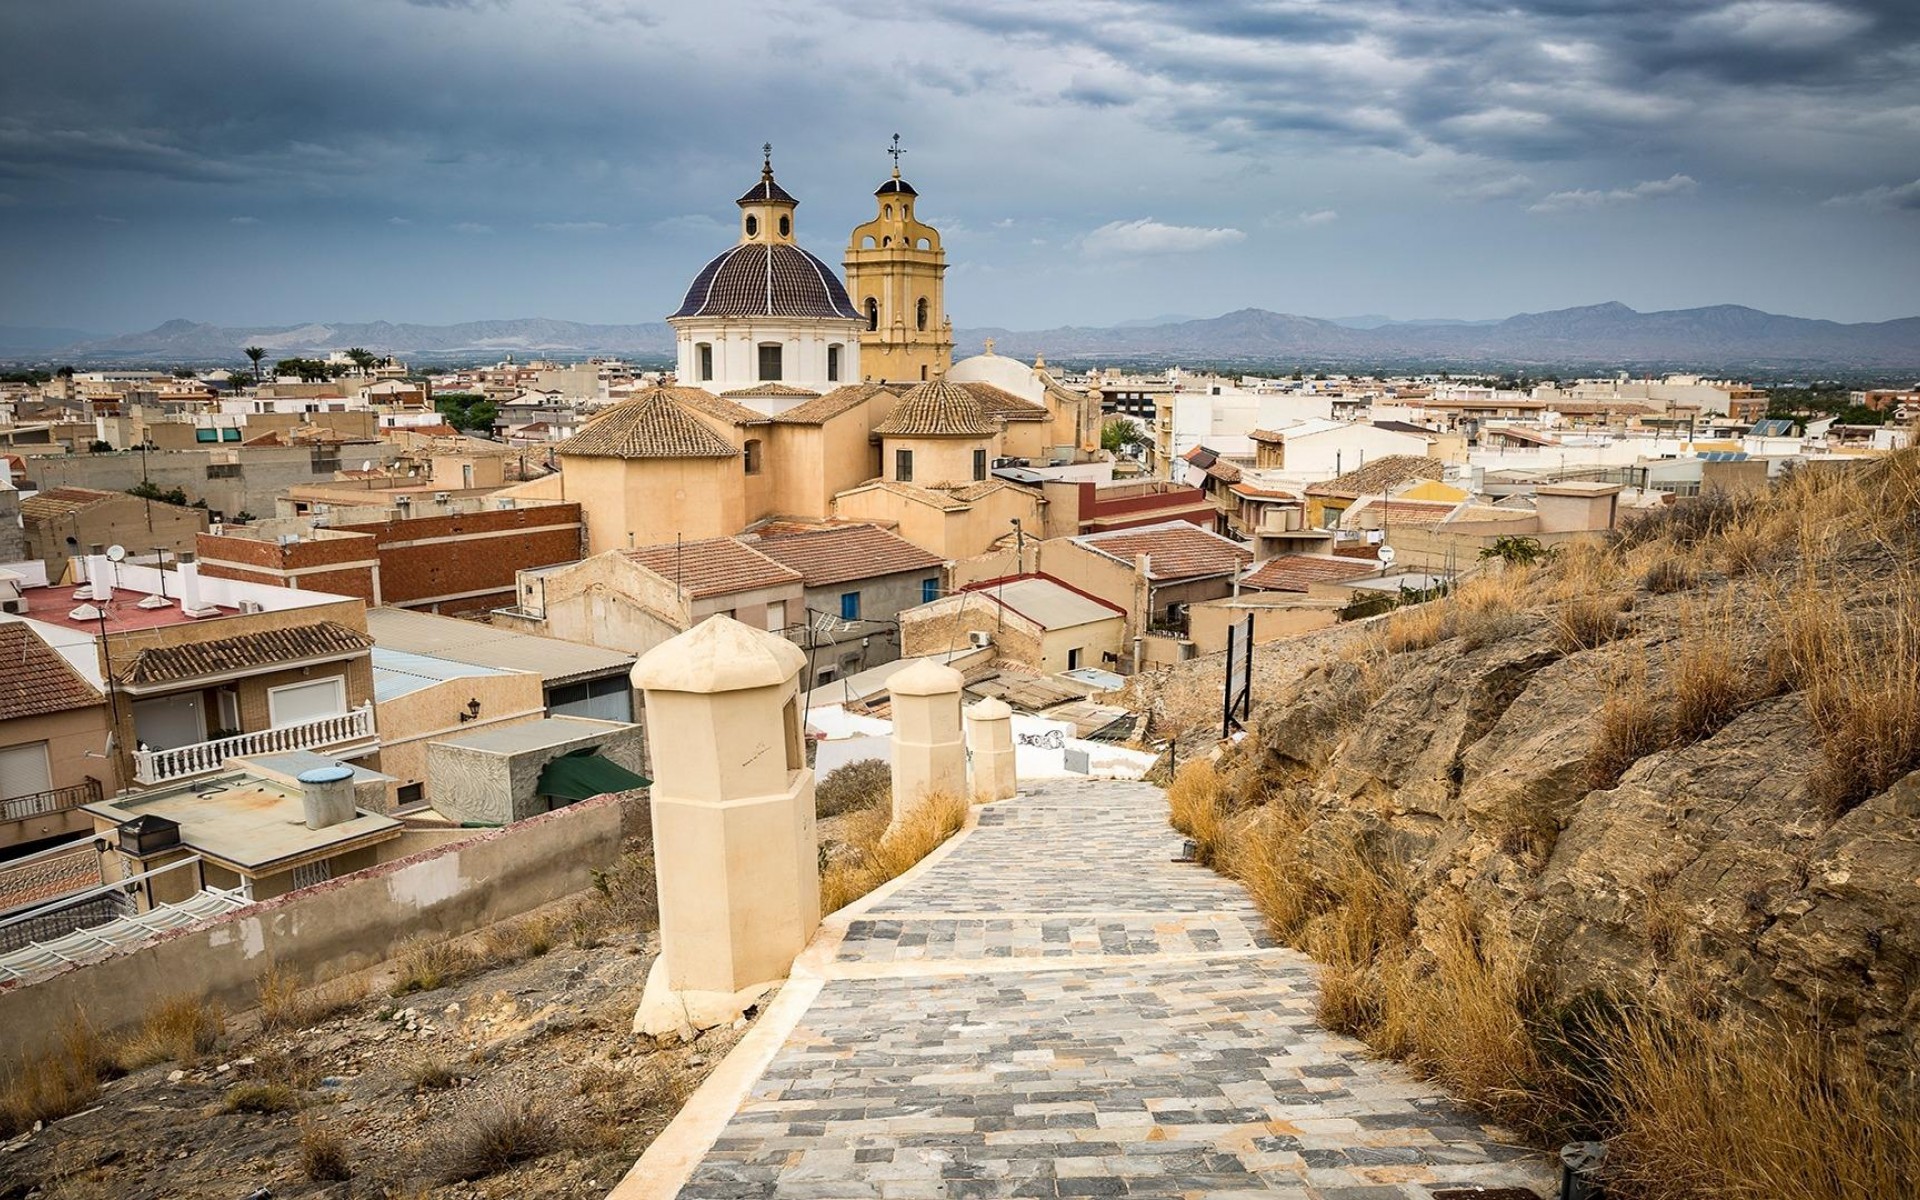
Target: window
[(920, 313), (752, 455), (833, 364), (410, 795), (770, 360), (230, 434), (873, 313), (786, 227), (1073, 659), (609, 698), (903, 466), (849, 606), (776, 616), (206, 435), (929, 589), (979, 465), (704, 352), (299, 702), (753, 224), (24, 770)]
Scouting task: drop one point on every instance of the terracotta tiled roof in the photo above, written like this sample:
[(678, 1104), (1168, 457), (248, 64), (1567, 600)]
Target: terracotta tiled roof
[(654, 424), (63, 501), (829, 556), (937, 409), (1400, 512), (981, 490), (834, 403), (1224, 471), (1293, 572), (1380, 476), (1260, 491), (998, 402), (713, 566), (728, 412), (769, 389), (1179, 550), (243, 652), (1267, 435), (919, 495), (34, 679)]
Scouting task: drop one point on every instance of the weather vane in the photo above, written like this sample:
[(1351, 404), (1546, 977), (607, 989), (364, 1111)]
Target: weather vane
[(766, 149), (896, 151)]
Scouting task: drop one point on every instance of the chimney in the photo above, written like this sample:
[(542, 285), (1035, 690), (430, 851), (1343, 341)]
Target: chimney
[(190, 587), (326, 793), (99, 574)]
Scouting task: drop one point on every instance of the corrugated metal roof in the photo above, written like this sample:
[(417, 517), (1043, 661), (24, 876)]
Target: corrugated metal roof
[(398, 673), (554, 660), (1046, 603)]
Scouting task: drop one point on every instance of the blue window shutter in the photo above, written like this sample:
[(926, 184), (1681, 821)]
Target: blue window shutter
[(850, 606), (929, 590)]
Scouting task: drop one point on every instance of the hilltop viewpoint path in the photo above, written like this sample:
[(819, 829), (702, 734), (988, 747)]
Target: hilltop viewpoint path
[(1050, 1006)]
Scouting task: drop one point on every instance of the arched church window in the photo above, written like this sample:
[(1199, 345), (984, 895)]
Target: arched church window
[(924, 244), (889, 212), (873, 313), (867, 243), (753, 224), (886, 241), (833, 363), (704, 350), (786, 227), (920, 313)]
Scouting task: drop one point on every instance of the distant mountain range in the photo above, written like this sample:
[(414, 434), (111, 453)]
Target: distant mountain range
[(1601, 335)]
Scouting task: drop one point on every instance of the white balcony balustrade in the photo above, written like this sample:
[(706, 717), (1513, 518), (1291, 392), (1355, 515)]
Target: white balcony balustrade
[(162, 766)]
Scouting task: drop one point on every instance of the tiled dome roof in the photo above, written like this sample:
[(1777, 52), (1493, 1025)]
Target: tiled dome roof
[(896, 187), (654, 424), (757, 279), (765, 190), (937, 409)]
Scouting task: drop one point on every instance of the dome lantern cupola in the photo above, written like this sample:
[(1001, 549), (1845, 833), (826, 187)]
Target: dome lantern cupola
[(766, 211)]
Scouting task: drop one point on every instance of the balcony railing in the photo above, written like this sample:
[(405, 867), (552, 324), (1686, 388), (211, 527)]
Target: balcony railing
[(39, 804), (161, 766)]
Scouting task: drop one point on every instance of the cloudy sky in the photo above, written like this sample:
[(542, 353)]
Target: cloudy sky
[(1090, 161)]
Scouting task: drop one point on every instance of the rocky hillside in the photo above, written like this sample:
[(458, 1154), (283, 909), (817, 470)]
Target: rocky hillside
[(1677, 777)]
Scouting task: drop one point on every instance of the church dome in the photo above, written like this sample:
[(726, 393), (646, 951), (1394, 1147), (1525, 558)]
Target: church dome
[(767, 279), (895, 187)]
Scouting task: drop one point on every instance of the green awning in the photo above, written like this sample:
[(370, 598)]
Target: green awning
[(581, 776)]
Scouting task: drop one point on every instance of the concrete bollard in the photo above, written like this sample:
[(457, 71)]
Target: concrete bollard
[(734, 845), (929, 756), (990, 740)]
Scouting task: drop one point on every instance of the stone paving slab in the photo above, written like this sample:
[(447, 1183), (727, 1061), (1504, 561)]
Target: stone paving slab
[(1056, 1009)]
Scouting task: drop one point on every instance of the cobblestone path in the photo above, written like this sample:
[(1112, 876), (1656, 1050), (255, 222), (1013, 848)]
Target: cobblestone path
[(1055, 1008)]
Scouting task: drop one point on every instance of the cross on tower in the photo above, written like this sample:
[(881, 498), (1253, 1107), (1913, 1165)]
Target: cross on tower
[(896, 152), (766, 149)]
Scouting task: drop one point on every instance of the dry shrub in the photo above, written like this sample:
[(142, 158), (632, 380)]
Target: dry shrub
[(1266, 852), (285, 1005), (492, 1134), (1586, 623), (1417, 628), (1365, 928), (181, 1029), (428, 963), (56, 1082), (1710, 686), (265, 1098), (1194, 803), (1862, 683), (1525, 823), (877, 852), (529, 937), (1630, 727), (855, 785), (323, 1154), (1746, 1109), (430, 1070), (1668, 575)]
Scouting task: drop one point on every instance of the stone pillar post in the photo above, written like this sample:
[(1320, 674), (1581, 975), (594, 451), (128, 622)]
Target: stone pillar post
[(734, 845), (990, 740), (928, 753)]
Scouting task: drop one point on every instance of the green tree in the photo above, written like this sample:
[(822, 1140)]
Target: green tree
[(256, 353), (1121, 433), (362, 358)]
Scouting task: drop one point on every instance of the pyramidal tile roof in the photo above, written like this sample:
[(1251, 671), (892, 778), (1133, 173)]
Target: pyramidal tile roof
[(998, 402), (840, 400), (656, 423), (34, 679), (937, 409), (713, 566), (1381, 475)]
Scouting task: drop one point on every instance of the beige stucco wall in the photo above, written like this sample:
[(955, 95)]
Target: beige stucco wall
[(645, 501), (70, 736), (139, 525), (322, 932), (942, 627), (408, 723), (936, 461), (1095, 574), (1093, 640), (1273, 620)]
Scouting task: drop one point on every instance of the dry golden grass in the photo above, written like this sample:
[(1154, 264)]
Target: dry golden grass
[(491, 1134), (1750, 1110), (180, 1029), (323, 1154), (1417, 627), (59, 1081), (285, 1005), (432, 962), (1587, 623), (1629, 728), (1193, 800), (876, 853), (264, 1098)]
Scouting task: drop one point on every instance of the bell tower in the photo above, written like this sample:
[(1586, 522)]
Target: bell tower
[(895, 277)]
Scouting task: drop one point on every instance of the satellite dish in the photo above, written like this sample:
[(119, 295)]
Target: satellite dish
[(1386, 555), (116, 553), (367, 465)]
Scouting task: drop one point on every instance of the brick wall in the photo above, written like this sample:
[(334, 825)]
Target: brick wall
[(465, 562)]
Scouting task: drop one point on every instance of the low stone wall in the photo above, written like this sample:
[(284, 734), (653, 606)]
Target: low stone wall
[(331, 929)]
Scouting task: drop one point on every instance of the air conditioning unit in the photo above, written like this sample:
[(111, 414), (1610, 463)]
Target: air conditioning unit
[(252, 606), (442, 497), (403, 501), (979, 639), (15, 605)]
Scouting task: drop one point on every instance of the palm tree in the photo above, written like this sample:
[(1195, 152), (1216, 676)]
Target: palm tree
[(362, 358), (256, 354)]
